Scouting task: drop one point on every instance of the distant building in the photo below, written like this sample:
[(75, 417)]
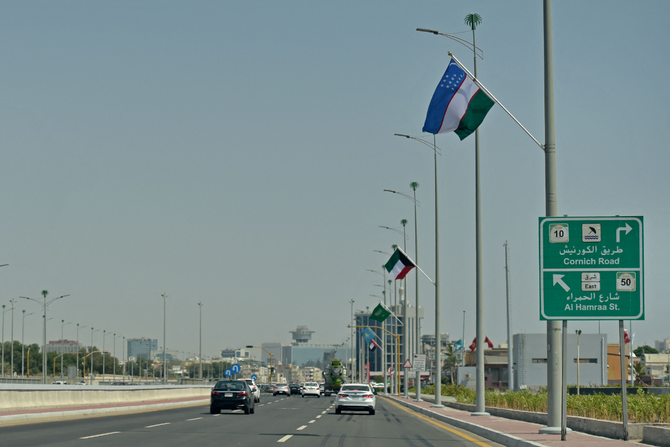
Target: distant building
[(141, 347), (301, 335), (662, 345), (656, 365), (530, 360), (64, 347)]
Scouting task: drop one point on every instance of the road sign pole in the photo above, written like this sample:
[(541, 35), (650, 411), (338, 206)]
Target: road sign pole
[(624, 378), (564, 391)]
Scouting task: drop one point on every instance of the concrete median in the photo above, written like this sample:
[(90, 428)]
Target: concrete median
[(29, 397)]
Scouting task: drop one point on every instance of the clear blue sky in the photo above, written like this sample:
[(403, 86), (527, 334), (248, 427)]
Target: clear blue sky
[(236, 153)]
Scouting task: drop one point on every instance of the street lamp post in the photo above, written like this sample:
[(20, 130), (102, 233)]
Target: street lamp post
[(2, 360), (104, 335), (11, 346), (123, 356), (438, 341), (164, 295), (45, 304), (417, 379), (23, 324), (200, 341), (578, 332)]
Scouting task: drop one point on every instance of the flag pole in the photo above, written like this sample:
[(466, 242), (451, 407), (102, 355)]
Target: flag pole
[(490, 95)]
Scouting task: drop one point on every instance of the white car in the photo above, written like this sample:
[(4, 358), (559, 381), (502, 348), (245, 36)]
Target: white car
[(355, 397), (254, 389), (310, 389)]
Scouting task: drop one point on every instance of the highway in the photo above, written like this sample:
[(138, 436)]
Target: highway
[(279, 420)]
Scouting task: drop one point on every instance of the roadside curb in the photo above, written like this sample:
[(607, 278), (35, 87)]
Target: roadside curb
[(485, 432), (76, 414)]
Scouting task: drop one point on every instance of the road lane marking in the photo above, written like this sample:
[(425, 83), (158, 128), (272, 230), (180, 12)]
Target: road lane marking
[(324, 412), (456, 432), (194, 419), (312, 421), (302, 427), (102, 434), (318, 416), (285, 438), (215, 415), (158, 425)]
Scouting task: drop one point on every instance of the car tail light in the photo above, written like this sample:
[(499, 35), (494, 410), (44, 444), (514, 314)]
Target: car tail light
[(368, 396), (214, 393), (242, 394), (342, 395)]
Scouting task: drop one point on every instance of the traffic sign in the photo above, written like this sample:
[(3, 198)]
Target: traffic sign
[(407, 364), (420, 362), (235, 368), (390, 370), (227, 373), (254, 376), (591, 268)]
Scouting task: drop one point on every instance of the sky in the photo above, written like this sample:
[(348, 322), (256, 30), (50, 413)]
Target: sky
[(235, 153)]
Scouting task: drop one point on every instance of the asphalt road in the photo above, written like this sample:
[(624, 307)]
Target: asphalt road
[(293, 421)]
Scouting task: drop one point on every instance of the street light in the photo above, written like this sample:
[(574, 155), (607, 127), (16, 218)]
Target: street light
[(23, 324), (164, 295), (62, 347), (480, 409), (104, 335), (45, 304), (200, 342), (438, 342), (417, 379), (2, 362), (11, 346), (114, 371), (578, 332)]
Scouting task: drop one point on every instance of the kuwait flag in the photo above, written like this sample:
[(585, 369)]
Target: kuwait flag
[(458, 105), (399, 265)]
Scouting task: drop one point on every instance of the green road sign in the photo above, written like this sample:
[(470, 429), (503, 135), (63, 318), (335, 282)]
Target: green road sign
[(591, 268)]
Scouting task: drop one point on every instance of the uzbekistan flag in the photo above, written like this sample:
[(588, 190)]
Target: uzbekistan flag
[(458, 105), (399, 265)]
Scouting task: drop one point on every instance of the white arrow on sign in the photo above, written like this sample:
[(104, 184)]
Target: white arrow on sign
[(627, 228), (558, 279)]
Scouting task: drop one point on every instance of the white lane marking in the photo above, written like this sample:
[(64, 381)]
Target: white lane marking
[(261, 405), (285, 438), (194, 419), (102, 434), (301, 428), (312, 421), (318, 416), (158, 425), (269, 403), (324, 412), (215, 415)]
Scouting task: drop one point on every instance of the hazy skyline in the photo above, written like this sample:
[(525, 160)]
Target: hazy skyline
[(236, 153)]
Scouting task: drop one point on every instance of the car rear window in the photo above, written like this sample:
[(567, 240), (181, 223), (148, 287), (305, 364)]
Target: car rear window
[(355, 388), (311, 384), (230, 386)]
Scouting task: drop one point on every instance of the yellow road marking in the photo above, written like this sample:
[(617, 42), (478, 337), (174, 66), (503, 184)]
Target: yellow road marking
[(456, 432)]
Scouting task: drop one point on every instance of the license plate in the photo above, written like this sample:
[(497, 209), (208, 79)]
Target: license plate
[(228, 395)]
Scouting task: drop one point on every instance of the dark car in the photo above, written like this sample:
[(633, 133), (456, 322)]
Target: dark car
[(295, 388), (231, 395)]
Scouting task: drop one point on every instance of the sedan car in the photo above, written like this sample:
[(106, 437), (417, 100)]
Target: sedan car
[(281, 388), (254, 389), (311, 389), (355, 397), (231, 395), (295, 388)]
